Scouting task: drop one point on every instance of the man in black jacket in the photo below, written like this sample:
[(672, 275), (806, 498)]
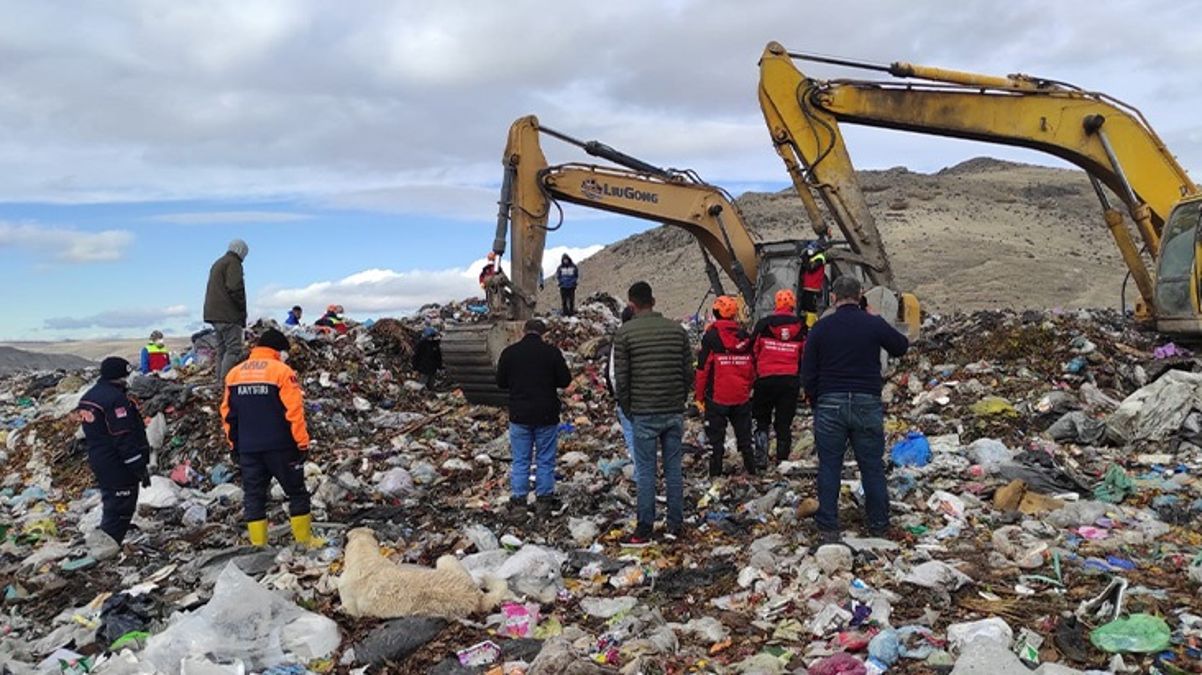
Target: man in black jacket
[(841, 373), (118, 451), (532, 370)]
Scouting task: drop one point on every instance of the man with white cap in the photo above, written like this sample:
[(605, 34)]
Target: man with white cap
[(225, 306)]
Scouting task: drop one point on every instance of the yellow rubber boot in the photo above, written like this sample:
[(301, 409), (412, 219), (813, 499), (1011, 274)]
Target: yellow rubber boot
[(302, 529), (258, 532), (811, 319)]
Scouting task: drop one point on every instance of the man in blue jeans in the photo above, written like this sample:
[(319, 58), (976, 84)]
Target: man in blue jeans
[(841, 373), (653, 372), (531, 371)]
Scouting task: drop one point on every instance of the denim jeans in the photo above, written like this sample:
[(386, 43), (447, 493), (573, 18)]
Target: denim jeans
[(650, 433), (527, 441), (858, 419), (628, 434)]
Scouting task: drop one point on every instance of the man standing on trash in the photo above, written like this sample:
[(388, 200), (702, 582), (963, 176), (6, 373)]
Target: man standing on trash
[(118, 451), (427, 356), (263, 411), (532, 371), (568, 277), (225, 306), (841, 373), (653, 368), (725, 373), (779, 342)]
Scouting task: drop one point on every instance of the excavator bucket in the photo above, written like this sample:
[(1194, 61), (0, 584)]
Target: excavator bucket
[(470, 353)]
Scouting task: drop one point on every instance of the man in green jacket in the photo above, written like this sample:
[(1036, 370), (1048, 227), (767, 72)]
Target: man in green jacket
[(653, 369), (225, 306)]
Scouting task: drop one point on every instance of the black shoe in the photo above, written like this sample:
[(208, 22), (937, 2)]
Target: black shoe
[(547, 505), (518, 510), (829, 537), (641, 538)]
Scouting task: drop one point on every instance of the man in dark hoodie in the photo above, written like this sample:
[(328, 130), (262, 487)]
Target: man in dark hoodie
[(568, 277), (725, 373), (225, 306)]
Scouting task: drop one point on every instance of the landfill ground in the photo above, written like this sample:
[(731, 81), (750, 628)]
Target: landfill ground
[(1039, 460)]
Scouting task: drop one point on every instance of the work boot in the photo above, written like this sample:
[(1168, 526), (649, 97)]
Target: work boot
[(782, 452), (518, 511), (257, 529), (546, 505), (302, 531)]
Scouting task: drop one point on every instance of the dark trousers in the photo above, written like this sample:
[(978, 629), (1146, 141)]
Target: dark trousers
[(117, 507), (809, 301), (716, 418), (258, 468), (858, 419), (776, 397), (568, 296)]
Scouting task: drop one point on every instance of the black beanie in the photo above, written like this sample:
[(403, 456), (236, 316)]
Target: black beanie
[(273, 339), (114, 368)]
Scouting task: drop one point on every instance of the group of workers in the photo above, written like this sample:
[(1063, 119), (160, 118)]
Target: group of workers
[(739, 378)]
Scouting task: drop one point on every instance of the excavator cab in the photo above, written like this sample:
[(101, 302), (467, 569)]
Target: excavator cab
[(1178, 273)]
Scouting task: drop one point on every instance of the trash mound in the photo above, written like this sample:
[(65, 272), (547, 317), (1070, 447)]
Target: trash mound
[(1047, 516)]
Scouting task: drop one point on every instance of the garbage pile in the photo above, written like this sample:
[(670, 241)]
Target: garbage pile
[(1046, 501)]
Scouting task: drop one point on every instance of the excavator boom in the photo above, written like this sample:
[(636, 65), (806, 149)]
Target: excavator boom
[(1111, 141)]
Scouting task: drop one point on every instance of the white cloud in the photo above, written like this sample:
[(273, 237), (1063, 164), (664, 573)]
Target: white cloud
[(66, 244), (385, 106), (229, 217), (118, 319), (379, 292)]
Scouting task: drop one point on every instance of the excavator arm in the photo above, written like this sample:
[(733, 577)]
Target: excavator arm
[(532, 188), (1111, 141), (531, 191)]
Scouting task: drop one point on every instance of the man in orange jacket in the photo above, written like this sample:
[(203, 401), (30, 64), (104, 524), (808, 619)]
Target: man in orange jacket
[(264, 416)]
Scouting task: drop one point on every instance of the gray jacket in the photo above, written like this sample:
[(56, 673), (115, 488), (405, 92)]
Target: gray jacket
[(653, 365), (225, 297)]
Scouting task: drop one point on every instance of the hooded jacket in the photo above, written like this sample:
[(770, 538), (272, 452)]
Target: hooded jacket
[(225, 296), (779, 344), (725, 365)]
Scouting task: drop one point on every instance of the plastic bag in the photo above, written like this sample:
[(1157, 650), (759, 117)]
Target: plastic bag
[(244, 621), (994, 629), (395, 482), (990, 453), (993, 405), (1138, 633), (1116, 485), (913, 450)]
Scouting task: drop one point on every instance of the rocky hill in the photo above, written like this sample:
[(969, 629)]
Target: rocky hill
[(14, 360), (982, 234)]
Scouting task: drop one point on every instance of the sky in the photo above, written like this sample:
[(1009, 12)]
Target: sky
[(356, 147)]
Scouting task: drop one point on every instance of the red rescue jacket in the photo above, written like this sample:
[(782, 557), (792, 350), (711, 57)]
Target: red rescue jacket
[(779, 343), (725, 366)]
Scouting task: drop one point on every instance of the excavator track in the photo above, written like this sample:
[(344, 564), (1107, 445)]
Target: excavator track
[(470, 353)]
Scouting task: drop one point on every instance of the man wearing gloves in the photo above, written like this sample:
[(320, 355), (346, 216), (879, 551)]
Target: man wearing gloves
[(118, 451), (264, 416), (225, 306)]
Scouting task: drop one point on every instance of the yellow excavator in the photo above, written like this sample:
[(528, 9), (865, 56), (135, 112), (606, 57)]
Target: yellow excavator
[(1110, 140), (531, 190)]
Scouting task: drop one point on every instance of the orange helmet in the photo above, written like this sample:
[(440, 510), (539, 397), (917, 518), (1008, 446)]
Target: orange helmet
[(785, 299), (492, 255), (726, 307)]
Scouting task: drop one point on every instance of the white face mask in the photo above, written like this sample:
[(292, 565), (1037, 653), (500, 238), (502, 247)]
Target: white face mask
[(284, 357)]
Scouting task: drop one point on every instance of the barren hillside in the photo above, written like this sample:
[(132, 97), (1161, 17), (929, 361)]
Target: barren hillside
[(982, 234)]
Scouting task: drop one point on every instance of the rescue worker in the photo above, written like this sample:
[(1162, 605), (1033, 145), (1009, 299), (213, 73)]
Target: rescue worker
[(722, 387), (264, 416), (155, 357), (332, 319), (813, 280), (488, 270), (294, 316), (567, 276), (779, 343), (427, 356), (118, 451)]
